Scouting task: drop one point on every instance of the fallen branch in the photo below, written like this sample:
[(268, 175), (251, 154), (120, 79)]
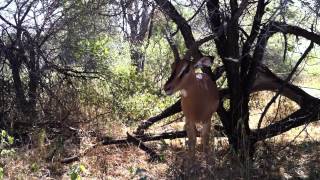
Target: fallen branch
[(173, 109), (141, 138), (153, 155), (70, 159), (137, 140), (146, 137)]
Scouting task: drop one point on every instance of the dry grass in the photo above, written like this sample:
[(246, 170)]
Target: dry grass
[(277, 158), (292, 155)]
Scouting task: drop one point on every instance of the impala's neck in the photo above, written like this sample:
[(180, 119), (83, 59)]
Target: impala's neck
[(191, 83)]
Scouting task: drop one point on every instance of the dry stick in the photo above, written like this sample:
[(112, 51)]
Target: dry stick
[(148, 137), (128, 140), (285, 82), (70, 159), (153, 155), (133, 139)]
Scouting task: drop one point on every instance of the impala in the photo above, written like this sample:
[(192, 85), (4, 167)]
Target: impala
[(199, 99)]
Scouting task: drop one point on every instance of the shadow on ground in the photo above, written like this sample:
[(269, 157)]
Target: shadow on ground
[(271, 161)]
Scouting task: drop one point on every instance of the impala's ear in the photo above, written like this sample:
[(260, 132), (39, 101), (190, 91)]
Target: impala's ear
[(204, 62)]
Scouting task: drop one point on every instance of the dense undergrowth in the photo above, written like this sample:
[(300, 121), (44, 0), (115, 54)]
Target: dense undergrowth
[(291, 155)]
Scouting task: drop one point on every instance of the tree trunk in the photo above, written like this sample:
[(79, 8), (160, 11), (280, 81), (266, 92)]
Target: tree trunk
[(137, 56), (25, 104), (140, 24)]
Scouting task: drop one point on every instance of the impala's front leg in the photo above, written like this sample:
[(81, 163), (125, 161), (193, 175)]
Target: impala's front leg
[(192, 137), (205, 136)]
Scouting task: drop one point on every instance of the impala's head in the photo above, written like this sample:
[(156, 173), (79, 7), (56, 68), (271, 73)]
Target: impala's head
[(182, 69)]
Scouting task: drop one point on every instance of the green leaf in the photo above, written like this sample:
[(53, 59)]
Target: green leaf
[(1, 173), (10, 140), (3, 133), (82, 168), (34, 167), (74, 176)]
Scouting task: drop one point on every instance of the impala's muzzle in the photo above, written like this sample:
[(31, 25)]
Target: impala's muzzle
[(179, 70), (168, 87)]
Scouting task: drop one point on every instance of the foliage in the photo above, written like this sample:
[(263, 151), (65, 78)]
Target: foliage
[(6, 142), (93, 52), (34, 167), (76, 171), (130, 96)]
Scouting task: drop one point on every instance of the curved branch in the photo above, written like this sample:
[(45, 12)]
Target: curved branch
[(309, 111), (295, 30), (173, 109), (284, 83), (274, 27), (268, 81), (296, 119), (6, 5), (182, 24)]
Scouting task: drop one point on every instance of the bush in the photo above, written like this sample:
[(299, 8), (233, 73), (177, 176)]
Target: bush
[(6, 142), (127, 95), (121, 92)]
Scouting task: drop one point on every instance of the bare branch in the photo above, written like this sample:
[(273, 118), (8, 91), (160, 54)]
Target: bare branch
[(197, 12), (5, 6), (284, 83), (298, 118), (274, 27), (25, 13), (295, 30), (173, 47), (182, 24), (255, 27)]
